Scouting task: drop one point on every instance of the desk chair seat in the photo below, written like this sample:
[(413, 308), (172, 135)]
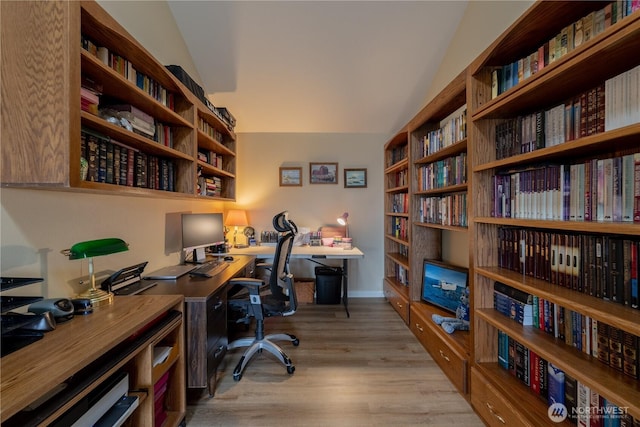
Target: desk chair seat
[(280, 300)]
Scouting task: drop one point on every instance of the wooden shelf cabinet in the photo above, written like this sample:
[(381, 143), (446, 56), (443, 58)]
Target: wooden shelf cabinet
[(397, 237), (498, 396), (425, 174), (74, 359), (44, 66)]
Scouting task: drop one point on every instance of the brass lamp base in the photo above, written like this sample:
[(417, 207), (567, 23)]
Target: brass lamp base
[(97, 297)]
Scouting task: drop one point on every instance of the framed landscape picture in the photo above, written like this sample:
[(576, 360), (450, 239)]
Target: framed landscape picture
[(290, 177), (323, 173), (355, 178)]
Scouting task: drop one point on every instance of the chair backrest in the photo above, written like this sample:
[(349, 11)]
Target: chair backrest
[(281, 280)]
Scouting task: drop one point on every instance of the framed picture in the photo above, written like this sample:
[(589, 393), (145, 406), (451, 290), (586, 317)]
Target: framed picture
[(355, 178), (323, 173), (290, 177)]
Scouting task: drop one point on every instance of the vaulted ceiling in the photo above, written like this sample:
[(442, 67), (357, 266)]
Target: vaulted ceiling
[(318, 66)]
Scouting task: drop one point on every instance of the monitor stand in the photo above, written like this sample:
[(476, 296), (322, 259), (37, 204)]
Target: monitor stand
[(199, 256)]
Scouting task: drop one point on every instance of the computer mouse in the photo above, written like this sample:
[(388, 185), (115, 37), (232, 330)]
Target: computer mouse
[(228, 258)]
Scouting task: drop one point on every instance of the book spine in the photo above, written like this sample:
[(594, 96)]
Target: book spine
[(636, 187), (583, 404), (522, 363), (555, 380), (570, 395), (615, 348), (630, 345)]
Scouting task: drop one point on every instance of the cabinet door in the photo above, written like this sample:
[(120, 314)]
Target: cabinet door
[(38, 118)]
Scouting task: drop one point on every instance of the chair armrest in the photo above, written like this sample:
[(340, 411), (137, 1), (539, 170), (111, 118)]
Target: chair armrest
[(247, 282)]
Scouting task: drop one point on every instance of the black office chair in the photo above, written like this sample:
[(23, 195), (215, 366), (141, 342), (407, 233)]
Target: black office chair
[(279, 301)]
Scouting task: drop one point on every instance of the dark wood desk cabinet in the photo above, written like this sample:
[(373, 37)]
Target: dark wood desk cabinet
[(206, 319)]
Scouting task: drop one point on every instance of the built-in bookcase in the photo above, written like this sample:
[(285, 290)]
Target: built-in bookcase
[(426, 183), (397, 230), (438, 153), (64, 62), (518, 226)]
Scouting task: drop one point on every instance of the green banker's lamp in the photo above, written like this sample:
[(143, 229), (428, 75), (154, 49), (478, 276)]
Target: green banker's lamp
[(90, 249)]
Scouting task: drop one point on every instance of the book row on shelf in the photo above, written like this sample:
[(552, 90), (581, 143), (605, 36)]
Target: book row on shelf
[(598, 189), (562, 43), (612, 346), (214, 159), (126, 116), (210, 130), (401, 275), (112, 162), (209, 186), (450, 209), (400, 203), (397, 154), (399, 228), (602, 266), (608, 106), (452, 129), (127, 70), (401, 178), (443, 173), (582, 405)]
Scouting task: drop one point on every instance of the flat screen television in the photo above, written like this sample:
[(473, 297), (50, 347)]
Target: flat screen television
[(443, 284), (200, 231)]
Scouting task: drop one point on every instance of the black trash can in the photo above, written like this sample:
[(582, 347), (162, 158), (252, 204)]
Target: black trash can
[(328, 285)]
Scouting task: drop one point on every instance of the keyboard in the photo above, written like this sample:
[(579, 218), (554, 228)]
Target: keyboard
[(211, 268)]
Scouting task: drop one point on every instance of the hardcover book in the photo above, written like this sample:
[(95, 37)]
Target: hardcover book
[(556, 379)]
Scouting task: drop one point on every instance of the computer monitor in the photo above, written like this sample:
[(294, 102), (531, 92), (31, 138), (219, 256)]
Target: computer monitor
[(443, 284), (200, 231)]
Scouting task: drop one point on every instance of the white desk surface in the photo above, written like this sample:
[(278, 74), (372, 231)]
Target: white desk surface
[(326, 252)]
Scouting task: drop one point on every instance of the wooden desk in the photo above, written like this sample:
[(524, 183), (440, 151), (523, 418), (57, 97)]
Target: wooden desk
[(205, 318), (313, 253), (33, 371)]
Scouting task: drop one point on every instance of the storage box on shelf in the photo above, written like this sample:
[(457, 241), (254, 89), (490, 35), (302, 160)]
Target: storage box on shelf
[(397, 227), (145, 121), (574, 149)]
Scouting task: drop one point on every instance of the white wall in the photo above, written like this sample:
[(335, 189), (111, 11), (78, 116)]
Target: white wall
[(315, 205), (35, 225)]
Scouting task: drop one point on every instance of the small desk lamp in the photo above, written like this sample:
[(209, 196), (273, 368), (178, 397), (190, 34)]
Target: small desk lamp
[(342, 220), (90, 249), (236, 218)]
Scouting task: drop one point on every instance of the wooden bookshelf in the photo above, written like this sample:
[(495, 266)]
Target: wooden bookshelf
[(451, 351), (44, 66), (396, 210), (498, 396), (424, 239)]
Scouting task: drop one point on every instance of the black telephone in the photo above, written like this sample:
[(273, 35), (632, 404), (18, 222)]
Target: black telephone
[(123, 277)]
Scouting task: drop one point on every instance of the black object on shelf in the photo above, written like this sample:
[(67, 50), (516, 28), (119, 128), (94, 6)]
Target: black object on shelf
[(13, 337), (16, 282), (9, 303), (328, 285)]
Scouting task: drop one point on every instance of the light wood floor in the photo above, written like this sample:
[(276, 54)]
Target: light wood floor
[(367, 370)]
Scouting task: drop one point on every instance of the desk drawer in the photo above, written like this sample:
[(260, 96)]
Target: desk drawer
[(489, 404), (397, 301), (452, 364)]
